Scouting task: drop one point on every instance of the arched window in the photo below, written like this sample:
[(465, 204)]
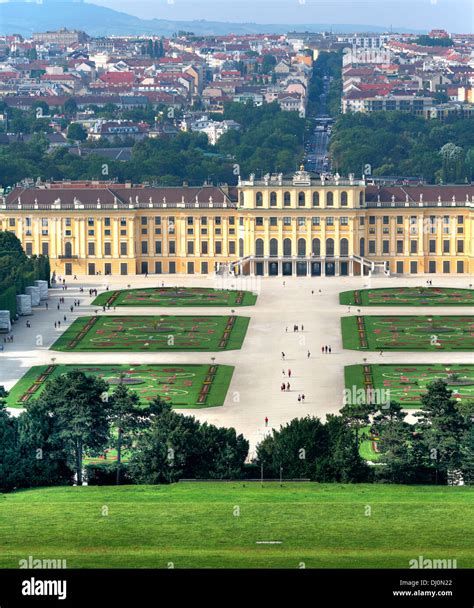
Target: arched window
[(259, 199), (259, 248), (344, 247), (273, 248), (241, 198), (287, 199), (273, 199), (316, 247), (329, 199), (301, 199), (344, 199), (241, 248), (329, 246), (302, 247), (362, 247), (68, 249), (287, 247), (315, 199), (361, 199)]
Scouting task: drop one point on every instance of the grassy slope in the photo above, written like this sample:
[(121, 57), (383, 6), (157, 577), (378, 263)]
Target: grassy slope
[(235, 341), (249, 299), (193, 525), (216, 396)]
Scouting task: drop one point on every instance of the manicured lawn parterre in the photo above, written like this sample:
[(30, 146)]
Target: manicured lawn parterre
[(193, 525), (154, 333), (422, 333), (406, 383), (176, 296), (184, 386), (408, 296)]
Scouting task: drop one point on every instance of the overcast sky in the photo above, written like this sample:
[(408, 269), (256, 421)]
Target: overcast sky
[(454, 15)]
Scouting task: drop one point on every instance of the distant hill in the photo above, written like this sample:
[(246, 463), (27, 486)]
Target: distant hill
[(16, 18)]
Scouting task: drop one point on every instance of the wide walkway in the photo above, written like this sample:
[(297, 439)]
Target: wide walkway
[(255, 391)]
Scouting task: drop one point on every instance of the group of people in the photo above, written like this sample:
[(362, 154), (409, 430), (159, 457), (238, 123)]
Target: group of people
[(326, 350), (296, 328)]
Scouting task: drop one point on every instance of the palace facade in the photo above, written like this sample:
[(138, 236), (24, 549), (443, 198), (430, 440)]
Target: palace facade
[(274, 226)]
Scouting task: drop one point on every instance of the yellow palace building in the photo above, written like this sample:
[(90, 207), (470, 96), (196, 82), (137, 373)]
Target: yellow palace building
[(274, 226)]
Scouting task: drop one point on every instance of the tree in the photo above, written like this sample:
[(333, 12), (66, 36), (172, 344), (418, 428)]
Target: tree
[(442, 427), (79, 416), (76, 132), (126, 418), (305, 447), (9, 454), (296, 448), (70, 106), (356, 417), (176, 446), (11, 245)]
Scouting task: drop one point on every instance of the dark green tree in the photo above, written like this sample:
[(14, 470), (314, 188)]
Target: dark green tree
[(79, 415), (442, 427)]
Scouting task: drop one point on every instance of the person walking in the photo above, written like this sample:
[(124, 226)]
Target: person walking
[(308, 354), (302, 397), (283, 355), (289, 373), (283, 372), (287, 386), (299, 398), (266, 421), (329, 350)]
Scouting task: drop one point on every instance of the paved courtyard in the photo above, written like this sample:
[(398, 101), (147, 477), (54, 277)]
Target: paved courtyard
[(255, 389)]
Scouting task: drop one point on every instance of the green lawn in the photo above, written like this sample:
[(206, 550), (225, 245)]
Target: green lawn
[(406, 383), (184, 386), (421, 333), (176, 296), (198, 525), (153, 333), (408, 296)]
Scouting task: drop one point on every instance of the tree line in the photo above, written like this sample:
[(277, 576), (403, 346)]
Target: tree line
[(269, 140), (399, 143), (77, 416)]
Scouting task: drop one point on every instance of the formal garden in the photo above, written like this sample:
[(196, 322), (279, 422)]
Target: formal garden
[(408, 296), (175, 296), (153, 333), (183, 386), (405, 384), (421, 333)]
